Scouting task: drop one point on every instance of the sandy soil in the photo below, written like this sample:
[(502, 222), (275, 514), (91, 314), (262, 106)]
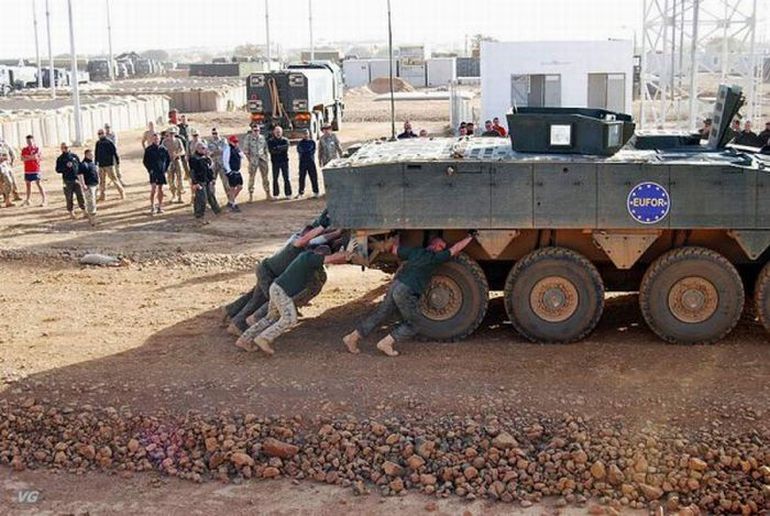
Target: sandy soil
[(147, 336)]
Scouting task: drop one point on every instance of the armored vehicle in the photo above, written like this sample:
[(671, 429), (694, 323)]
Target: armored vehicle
[(575, 205), (303, 96)]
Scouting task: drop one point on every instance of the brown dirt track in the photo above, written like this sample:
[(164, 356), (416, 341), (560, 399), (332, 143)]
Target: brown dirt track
[(147, 337)]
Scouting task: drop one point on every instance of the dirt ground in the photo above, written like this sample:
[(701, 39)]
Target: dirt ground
[(147, 337)]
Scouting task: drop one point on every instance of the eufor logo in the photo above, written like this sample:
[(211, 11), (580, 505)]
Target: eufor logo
[(648, 203)]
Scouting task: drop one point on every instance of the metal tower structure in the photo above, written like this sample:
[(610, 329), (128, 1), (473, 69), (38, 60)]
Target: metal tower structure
[(688, 48)]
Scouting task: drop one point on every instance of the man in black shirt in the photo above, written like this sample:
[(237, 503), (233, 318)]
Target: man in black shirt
[(489, 130), (278, 147), (764, 136), (156, 161), (408, 133), (88, 176), (68, 164), (202, 178), (403, 297), (747, 136), (107, 160)]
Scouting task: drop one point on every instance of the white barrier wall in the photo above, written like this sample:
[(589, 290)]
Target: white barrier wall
[(53, 126)]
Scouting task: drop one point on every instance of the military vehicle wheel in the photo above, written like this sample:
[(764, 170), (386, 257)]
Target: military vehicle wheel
[(691, 295), (762, 296), (455, 302), (554, 295)]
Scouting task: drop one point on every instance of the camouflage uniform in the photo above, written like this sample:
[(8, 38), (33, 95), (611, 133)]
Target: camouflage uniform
[(8, 149), (255, 148), (6, 181), (329, 148), (281, 316), (175, 149), (216, 147)]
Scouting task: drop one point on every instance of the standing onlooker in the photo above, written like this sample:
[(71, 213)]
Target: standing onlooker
[(68, 165), (489, 130), (704, 131), (734, 130), (107, 160), (423, 133), (499, 128), (470, 129), (747, 136), (114, 139), (88, 175), (31, 157), (183, 133), (408, 133), (255, 148), (147, 135), (10, 162), (176, 152), (329, 147), (6, 179), (278, 146), (232, 158), (306, 152), (156, 161), (203, 178), (216, 146), (764, 136)]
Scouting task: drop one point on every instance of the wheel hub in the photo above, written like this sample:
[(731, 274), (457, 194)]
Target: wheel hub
[(554, 299), (442, 299), (693, 299)]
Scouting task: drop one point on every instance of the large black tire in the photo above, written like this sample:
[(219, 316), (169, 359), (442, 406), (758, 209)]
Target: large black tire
[(455, 302), (691, 295), (762, 296), (554, 295)]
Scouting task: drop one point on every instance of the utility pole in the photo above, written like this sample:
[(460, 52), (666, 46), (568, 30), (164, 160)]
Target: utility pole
[(37, 47), (267, 30), (75, 86), (310, 22), (109, 41), (51, 78), (390, 68)]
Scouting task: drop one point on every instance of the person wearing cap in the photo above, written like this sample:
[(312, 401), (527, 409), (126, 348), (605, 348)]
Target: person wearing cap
[(176, 151), (195, 139), (183, 133), (89, 179), (108, 132), (329, 147), (704, 131), (255, 148), (232, 157), (404, 294), (216, 146), (6, 178), (202, 178), (278, 147), (31, 157), (68, 165), (306, 152), (106, 160), (282, 312), (156, 160)]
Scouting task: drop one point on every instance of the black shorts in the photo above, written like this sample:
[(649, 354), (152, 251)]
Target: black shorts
[(234, 179), (158, 178)]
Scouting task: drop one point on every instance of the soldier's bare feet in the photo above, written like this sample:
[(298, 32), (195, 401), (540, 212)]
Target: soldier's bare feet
[(245, 344), (351, 342), (386, 346), (232, 329), (264, 346)]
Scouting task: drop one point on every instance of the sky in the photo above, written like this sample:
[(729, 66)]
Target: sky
[(174, 24)]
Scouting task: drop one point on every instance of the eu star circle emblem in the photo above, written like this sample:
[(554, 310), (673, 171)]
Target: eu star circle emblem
[(648, 203)]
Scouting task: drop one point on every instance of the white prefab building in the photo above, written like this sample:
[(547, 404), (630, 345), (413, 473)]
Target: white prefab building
[(595, 74), (355, 72), (441, 71)]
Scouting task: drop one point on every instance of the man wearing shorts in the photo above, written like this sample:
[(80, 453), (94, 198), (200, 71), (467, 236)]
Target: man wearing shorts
[(31, 157), (232, 157), (156, 161)]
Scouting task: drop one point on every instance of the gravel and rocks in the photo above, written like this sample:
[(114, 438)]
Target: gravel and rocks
[(518, 460)]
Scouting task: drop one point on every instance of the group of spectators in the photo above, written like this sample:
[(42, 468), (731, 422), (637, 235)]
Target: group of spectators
[(177, 157), (492, 128), (740, 134)]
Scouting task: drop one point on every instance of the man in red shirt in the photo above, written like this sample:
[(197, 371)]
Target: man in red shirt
[(499, 128), (31, 157)]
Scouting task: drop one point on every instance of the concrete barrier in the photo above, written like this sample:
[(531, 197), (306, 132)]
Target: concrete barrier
[(53, 126)]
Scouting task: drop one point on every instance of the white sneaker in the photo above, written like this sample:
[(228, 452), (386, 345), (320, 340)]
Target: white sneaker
[(298, 196), (287, 197)]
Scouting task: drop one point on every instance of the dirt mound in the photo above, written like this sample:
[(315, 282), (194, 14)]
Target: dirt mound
[(382, 85)]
